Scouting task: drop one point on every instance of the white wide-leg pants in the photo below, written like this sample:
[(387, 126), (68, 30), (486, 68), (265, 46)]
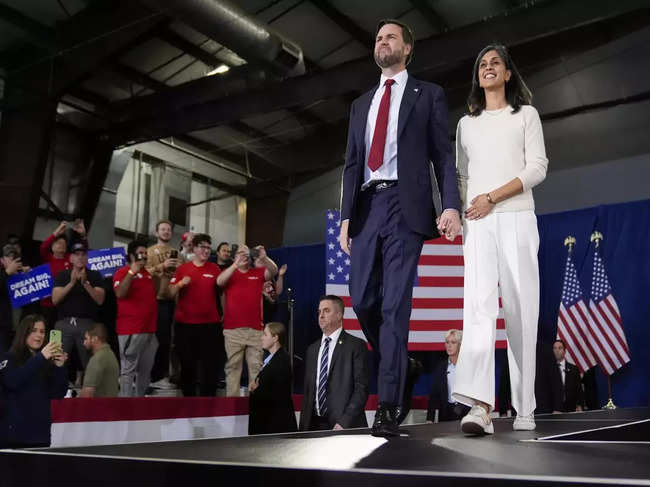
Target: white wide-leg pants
[(500, 249)]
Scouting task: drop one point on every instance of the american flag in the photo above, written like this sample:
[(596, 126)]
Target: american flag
[(574, 322), (608, 328), (437, 295)]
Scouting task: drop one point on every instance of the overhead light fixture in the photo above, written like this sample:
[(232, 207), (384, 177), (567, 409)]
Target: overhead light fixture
[(218, 70)]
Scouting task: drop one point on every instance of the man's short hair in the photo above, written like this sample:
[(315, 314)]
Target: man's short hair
[(199, 238), (221, 245), (133, 246), (98, 330), (407, 34), (164, 220), (278, 329), (332, 297), (457, 333), (560, 341)]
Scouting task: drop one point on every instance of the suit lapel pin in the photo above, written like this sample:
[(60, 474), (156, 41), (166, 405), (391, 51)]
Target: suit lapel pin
[(340, 342), (416, 89)]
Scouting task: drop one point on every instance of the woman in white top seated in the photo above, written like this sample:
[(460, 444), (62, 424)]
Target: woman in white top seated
[(500, 157)]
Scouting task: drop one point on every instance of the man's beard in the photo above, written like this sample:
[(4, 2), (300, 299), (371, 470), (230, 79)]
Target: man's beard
[(164, 239), (391, 59)]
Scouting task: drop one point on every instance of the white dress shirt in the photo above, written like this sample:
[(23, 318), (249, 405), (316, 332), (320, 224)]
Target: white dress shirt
[(334, 339), (562, 365), (451, 370), (388, 170)]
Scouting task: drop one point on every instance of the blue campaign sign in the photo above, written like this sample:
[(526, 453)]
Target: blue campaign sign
[(30, 286), (106, 261)]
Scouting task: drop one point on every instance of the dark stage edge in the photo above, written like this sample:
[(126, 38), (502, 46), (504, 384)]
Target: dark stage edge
[(431, 455)]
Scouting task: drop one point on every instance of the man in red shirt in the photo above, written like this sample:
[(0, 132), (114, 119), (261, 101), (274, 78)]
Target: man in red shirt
[(54, 251), (195, 284), (242, 326), (137, 315)]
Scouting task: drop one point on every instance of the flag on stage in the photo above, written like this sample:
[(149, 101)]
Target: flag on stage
[(437, 292), (574, 322), (608, 329)]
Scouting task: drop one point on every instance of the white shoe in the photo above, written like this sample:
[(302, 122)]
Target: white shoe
[(524, 423), (162, 384), (477, 422)]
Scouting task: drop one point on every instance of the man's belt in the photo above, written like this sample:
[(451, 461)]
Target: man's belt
[(379, 185)]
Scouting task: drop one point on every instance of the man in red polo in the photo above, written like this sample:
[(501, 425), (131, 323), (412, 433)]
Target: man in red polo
[(137, 316), (242, 327), (197, 318)]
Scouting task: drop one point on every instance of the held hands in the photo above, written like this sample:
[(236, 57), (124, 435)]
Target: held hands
[(479, 207), (449, 224), (344, 240), (337, 427), (254, 385)]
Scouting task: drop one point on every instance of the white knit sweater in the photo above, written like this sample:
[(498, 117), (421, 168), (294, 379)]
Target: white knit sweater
[(496, 147)]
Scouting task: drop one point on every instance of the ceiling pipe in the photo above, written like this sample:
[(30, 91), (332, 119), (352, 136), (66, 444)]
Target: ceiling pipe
[(230, 26)]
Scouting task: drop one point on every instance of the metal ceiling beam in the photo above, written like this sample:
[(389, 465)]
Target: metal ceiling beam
[(37, 33), (182, 44), (436, 56), (345, 23), (434, 19)]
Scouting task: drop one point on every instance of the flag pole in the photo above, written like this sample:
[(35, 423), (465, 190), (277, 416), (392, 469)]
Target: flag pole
[(596, 237)]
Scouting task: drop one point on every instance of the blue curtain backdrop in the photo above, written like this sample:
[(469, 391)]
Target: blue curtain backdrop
[(625, 251)]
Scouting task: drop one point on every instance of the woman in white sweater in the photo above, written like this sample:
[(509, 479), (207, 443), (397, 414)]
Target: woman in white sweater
[(500, 157)]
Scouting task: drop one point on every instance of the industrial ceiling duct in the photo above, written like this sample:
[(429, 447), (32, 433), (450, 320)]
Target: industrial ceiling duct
[(230, 26)]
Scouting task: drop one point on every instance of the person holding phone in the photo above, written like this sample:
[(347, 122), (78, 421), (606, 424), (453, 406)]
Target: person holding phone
[(137, 316), (32, 373)]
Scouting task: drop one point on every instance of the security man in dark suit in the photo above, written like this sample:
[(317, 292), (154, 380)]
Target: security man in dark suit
[(270, 404), (398, 144), (336, 374), (566, 389)]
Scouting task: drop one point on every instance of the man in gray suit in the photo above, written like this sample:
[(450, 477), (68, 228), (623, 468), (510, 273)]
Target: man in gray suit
[(336, 374)]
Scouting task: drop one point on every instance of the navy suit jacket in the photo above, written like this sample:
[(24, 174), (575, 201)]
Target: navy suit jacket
[(347, 384), (422, 140)]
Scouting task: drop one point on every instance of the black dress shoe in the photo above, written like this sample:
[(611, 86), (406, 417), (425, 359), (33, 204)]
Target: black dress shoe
[(412, 375), (385, 424)]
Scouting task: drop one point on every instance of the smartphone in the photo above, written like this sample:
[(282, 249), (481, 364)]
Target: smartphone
[(233, 250), (55, 336), (173, 254)]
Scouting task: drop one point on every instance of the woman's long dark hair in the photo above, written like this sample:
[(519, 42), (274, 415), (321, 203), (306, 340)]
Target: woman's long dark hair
[(19, 349), (517, 93)]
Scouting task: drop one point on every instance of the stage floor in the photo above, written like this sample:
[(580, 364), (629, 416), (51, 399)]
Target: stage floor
[(591, 448)]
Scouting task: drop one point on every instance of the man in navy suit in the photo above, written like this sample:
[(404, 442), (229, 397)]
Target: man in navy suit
[(398, 142)]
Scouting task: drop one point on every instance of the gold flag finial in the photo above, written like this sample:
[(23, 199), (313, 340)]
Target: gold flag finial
[(596, 237), (570, 241)]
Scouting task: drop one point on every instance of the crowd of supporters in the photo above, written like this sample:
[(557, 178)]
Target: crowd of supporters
[(182, 318)]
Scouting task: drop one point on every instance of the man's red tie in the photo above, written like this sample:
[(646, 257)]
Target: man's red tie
[(376, 157)]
